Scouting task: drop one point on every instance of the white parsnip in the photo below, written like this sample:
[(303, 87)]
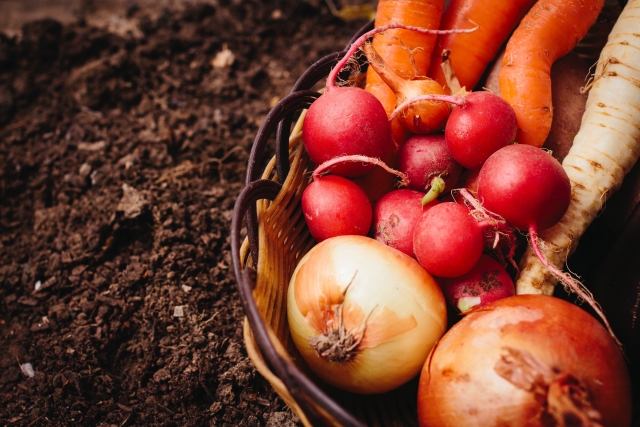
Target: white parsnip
[(603, 152)]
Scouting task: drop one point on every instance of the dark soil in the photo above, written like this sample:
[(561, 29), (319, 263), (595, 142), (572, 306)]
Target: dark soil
[(120, 162)]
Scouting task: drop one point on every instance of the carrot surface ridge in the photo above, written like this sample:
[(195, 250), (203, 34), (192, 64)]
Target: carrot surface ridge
[(406, 52), (471, 53), (550, 30)]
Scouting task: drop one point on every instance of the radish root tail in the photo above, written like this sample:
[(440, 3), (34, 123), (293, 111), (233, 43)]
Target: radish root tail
[(456, 100), (326, 166), (495, 223), (331, 79), (571, 283)]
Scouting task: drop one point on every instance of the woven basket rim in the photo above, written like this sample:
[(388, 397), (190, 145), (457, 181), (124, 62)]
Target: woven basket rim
[(310, 402)]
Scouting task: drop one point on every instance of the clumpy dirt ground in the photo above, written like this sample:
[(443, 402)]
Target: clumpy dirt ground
[(120, 160)]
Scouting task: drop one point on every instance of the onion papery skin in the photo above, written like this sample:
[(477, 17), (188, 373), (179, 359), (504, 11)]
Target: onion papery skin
[(402, 305), (459, 385)]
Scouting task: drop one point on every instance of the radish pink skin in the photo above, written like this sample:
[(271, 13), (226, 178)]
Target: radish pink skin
[(481, 126), (447, 240), (335, 206), (424, 157), (526, 186), (395, 216), (486, 282), (346, 121)]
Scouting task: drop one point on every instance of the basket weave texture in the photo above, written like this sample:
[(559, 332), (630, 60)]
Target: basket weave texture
[(283, 239)]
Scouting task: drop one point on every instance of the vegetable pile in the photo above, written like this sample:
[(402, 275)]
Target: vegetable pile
[(424, 179)]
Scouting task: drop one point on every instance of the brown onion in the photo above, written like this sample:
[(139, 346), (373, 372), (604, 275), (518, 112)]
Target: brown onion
[(526, 360)]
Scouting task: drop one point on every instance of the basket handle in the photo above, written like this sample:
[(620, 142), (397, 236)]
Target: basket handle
[(302, 390), (317, 71), (245, 205), (312, 75), (285, 108), (287, 105)]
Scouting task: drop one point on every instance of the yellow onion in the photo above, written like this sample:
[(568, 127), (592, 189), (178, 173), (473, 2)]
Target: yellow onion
[(526, 360), (363, 315)]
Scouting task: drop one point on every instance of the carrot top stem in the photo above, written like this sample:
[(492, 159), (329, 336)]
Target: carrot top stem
[(324, 167), (450, 76), (333, 75), (393, 80)]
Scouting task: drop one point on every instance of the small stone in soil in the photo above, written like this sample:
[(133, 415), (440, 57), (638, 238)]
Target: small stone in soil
[(27, 369)]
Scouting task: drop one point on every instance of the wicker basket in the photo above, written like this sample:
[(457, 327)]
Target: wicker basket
[(277, 237)]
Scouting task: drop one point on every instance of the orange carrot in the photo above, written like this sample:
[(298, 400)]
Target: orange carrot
[(406, 52), (472, 52), (550, 30)]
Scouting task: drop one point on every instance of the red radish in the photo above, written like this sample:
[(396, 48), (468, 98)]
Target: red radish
[(479, 127), (429, 165), (447, 240), (530, 189), (526, 186), (335, 206), (395, 216), (482, 124), (486, 282), (350, 120), (499, 238), (346, 121)]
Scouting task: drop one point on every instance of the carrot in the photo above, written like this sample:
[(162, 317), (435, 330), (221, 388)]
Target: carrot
[(550, 30), (604, 150), (472, 52), (407, 53)]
